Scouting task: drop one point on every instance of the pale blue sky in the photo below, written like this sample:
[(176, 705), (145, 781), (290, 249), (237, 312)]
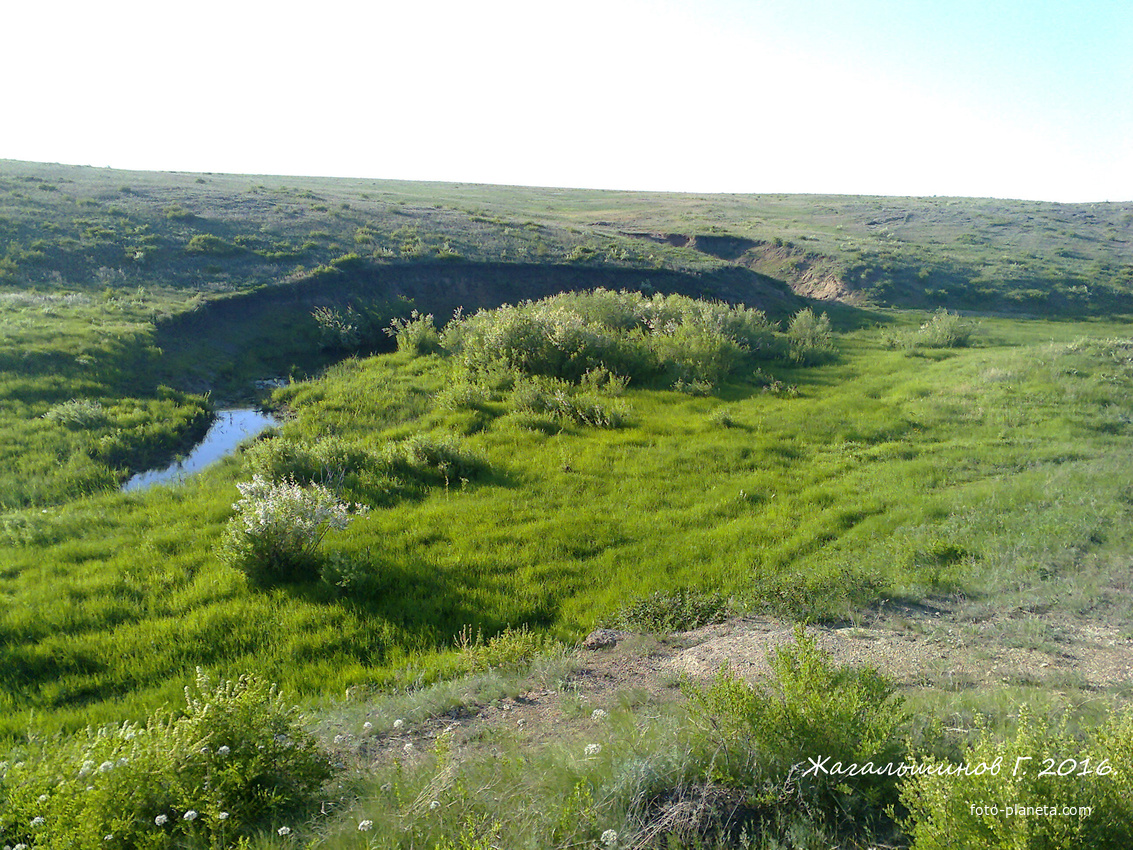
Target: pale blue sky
[(999, 98)]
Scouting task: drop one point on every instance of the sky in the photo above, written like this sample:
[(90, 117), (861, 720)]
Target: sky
[(1029, 99)]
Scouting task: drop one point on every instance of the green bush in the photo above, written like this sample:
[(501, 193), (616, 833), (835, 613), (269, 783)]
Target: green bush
[(417, 334), (77, 413), (680, 611), (943, 330), (625, 333), (339, 329), (566, 402), (235, 758), (769, 738), (510, 648), (214, 246), (279, 525), (809, 338), (1042, 788), (432, 460)]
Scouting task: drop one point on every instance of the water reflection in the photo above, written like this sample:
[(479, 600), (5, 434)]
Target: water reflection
[(229, 429)]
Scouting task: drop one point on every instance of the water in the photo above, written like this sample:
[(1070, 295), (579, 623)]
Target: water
[(228, 430)]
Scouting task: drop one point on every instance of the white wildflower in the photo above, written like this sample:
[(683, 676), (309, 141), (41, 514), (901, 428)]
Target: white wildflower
[(161, 820), (43, 798), (106, 767), (223, 750), (398, 724), (367, 725), (593, 749), (436, 804), (189, 815), (365, 826), (609, 838), (108, 838), (598, 714), (222, 816), (284, 830), (38, 821)]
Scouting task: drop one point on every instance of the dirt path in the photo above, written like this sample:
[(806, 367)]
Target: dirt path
[(922, 647)]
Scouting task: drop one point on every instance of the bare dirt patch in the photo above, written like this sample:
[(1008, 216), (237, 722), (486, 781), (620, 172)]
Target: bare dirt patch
[(920, 648)]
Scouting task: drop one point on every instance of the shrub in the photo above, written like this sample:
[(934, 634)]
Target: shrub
[(462, 395), (77, 413), (680, 611), (417, 334), (330, 462), (1033, 793), (943, 330), (205, 243), (625, 333), (565, 402), (809, 338), (279, 525), (766, 737), (234, 758), (696, 354), (510, 648), (338, 329)]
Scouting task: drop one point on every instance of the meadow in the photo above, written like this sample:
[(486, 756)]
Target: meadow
[(529, 474)]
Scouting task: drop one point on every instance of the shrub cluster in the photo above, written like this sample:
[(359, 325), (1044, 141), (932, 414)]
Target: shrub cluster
[(764, 738), (1042, 788), (234, 759), (361, 474), (626, 333)]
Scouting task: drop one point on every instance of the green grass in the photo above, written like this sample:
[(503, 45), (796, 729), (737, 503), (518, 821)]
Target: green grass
[(997, 474), (998, 469)]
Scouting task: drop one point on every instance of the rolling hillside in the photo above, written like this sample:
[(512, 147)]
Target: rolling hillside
[(65, 227)]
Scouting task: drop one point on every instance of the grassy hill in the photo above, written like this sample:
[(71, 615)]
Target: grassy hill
[(76, 227), (650, 425)]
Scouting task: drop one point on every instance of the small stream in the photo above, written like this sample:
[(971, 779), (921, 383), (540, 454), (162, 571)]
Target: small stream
[(228, 430)]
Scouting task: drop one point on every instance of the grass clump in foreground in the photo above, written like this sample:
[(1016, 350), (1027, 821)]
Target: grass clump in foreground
[(715, 773), (735, 767), (233, 761)]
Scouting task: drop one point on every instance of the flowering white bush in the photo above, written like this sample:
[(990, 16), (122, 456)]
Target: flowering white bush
[(278, 526)]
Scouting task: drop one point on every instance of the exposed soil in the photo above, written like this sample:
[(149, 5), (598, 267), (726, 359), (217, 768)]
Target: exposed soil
[(919, 647)]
